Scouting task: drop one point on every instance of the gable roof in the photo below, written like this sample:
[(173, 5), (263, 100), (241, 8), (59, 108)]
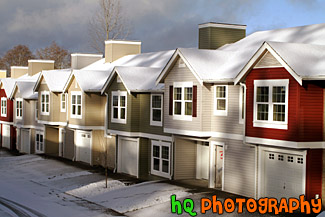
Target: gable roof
[(293, 57), (25, 84), (8, 85), (137, 79), (55, 79)]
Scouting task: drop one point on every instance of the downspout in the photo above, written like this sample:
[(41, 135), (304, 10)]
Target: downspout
[(243, 85), (173, 157)]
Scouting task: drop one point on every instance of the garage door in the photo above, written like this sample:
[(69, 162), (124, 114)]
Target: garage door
[(25, 141), (6, 136), (83, 147), (284, 175), (128, 156)]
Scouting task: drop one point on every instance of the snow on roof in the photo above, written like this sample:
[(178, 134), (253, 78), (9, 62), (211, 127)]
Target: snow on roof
[(247, 47), (26, 89), (56, 79), (138, 79), (91, 80), (8, 85), (297, 55)]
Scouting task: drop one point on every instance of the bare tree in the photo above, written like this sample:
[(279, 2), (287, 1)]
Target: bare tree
[(17, 56), (107, 23), (54, 52)]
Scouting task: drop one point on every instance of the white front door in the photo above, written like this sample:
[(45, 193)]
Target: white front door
[(283, 174), (83, 147), (25, 141), (6, 136), (128, 156), (39, 141), (202, 160)]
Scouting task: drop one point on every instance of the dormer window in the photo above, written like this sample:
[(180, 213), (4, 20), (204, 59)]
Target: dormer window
[(183, 100), (119, 107), (45, 103), (271, 103)]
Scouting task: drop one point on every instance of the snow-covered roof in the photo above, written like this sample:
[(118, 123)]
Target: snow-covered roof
[(138, 79), (26, 89), (8, 85), (94, 77), (55, 79)]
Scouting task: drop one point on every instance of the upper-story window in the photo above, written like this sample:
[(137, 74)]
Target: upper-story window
[(271, 103), (156, 109), (220, 100), (76, 104), (119, 107), (45, 103), (3, 107), (183, 100), (63, 102), (19, 108)]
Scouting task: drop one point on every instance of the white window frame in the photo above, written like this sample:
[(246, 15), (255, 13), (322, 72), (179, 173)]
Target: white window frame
[(76, 93), (242, 103), (270, 123), (152, 122), (118, 119), (38, 132), (3, 107), (44, 93), (182, 116), (36, 110), (160, 172), (220, 112), (19, 110), (64, 102)]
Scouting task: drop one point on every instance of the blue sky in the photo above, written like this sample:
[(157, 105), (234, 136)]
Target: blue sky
[(159, 24)]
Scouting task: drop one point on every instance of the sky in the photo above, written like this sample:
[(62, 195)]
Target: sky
[(159, 24)]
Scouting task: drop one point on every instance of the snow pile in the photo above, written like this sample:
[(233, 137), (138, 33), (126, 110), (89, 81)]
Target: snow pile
[(96, 189)]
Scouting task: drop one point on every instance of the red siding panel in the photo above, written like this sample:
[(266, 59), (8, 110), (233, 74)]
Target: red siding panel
[(314, 173), (305, 108)]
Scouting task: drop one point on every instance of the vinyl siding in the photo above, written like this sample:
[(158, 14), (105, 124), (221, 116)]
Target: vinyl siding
[(144, 158), (314, 173), (76, 121), (183, 74), (52, 141), (323, 176), (68, 148), (184, 159), (268, 60), (94, 109)]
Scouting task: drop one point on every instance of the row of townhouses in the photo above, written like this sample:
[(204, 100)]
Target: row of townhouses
[(244, 114)]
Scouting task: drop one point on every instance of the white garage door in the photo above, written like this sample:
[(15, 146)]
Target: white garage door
[(25, 141), (284, 175), (83, 147), (128, 156), (6, 136)]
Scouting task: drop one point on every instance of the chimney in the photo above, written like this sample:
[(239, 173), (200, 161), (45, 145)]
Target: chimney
[(79, 60), (116, 49), (36, 66), (3, 73), (215, 35), (18, 71)]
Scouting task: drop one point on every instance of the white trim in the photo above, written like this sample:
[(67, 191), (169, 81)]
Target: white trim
[(123, 42), (261, 151), (260, 52), (77, 148), (53, 123), (19, 67), (242, 104), (139, 134), (86, 55), (21, 110), (204, 134), (65, 102), (76, 94), (152, 122), (81, 127), (45, 93), (119, 158), (270, 123), (212, 168), (41, 61), (61, 142), (160, 144), (118, 119), (220, 112), (5, 122), (40, 132), (182, 116), (4, 99), (285, 144), (109, 79), (222, 25), (29, 126)]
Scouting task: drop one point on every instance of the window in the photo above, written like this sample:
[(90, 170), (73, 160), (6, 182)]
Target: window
[(183, 100), (76, 104), (290, 159), (63, 102), (19, 108), (119, 108), (280, 157), (271, 156), (39, 142), (156, 106), (271, 103), (300, 160), (160, 159), (242, 110), (3, 107), (45, 103), (220, 101), (36, 110)]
